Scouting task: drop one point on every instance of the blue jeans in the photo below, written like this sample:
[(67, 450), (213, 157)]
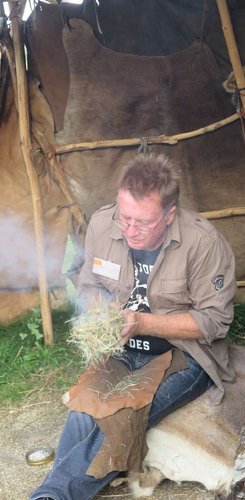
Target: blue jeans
[(81, 437)]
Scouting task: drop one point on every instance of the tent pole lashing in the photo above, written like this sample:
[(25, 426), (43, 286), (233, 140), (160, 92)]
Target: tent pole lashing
[(25, 140), (232, 49)]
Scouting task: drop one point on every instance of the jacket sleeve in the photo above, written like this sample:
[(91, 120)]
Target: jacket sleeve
[(212, 288), (89, 289)]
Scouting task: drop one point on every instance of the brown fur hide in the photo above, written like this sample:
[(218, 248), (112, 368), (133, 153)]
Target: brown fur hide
[(114, 95), (18, 260)]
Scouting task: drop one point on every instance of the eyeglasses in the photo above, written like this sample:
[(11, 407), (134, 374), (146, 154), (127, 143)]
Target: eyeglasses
[(140, 228)]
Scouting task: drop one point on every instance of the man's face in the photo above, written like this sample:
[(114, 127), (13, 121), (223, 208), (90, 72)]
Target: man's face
[(146, 214)]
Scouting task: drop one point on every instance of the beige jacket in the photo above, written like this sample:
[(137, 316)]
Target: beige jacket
[(194, 272)]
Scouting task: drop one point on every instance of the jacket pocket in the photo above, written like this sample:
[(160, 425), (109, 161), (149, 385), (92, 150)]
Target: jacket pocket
[(109, 284), (174, 294)]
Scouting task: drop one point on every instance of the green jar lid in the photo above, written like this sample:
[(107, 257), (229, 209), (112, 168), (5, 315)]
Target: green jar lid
[(40, 456)]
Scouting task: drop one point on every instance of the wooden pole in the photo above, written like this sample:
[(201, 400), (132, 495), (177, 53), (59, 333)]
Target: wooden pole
[(137, 141), (232, 47), (240, 283), (225, 212), (24, 125)]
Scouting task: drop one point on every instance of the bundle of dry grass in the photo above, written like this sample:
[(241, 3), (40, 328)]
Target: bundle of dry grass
[(97, 333)]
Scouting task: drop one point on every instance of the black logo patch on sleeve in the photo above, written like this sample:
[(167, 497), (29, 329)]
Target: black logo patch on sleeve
[(218, 281)]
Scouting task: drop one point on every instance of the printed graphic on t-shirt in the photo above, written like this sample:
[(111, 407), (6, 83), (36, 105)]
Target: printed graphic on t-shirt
[(143, 262), (138, 300)]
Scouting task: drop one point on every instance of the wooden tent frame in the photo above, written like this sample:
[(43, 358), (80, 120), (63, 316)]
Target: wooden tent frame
[(20, 84)]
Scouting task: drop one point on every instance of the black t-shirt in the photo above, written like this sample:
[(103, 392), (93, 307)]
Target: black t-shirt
[(143, 262)]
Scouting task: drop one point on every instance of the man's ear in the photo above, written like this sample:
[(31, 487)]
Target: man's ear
[(171, 215)]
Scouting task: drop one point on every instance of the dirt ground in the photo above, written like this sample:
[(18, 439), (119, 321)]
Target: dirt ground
[(39, 424)]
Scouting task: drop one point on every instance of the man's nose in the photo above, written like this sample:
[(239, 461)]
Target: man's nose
[(132, 229)]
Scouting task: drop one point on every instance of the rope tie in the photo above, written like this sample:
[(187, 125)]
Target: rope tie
[(66, 205), (143, 148), (239, 108)]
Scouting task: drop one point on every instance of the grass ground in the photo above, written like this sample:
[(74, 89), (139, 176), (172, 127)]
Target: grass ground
[(27, 367), (237, 329)]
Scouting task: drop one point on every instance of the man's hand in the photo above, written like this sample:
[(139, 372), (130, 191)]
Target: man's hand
[(131, 326), (175, 326)]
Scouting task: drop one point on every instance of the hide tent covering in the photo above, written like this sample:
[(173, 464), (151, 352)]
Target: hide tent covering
[(105, 80)]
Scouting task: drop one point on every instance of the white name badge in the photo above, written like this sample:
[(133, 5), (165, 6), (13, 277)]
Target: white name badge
[(106, 268)]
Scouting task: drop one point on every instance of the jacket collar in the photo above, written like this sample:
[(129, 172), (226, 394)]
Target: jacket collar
[(115, 231), (173, 237)]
